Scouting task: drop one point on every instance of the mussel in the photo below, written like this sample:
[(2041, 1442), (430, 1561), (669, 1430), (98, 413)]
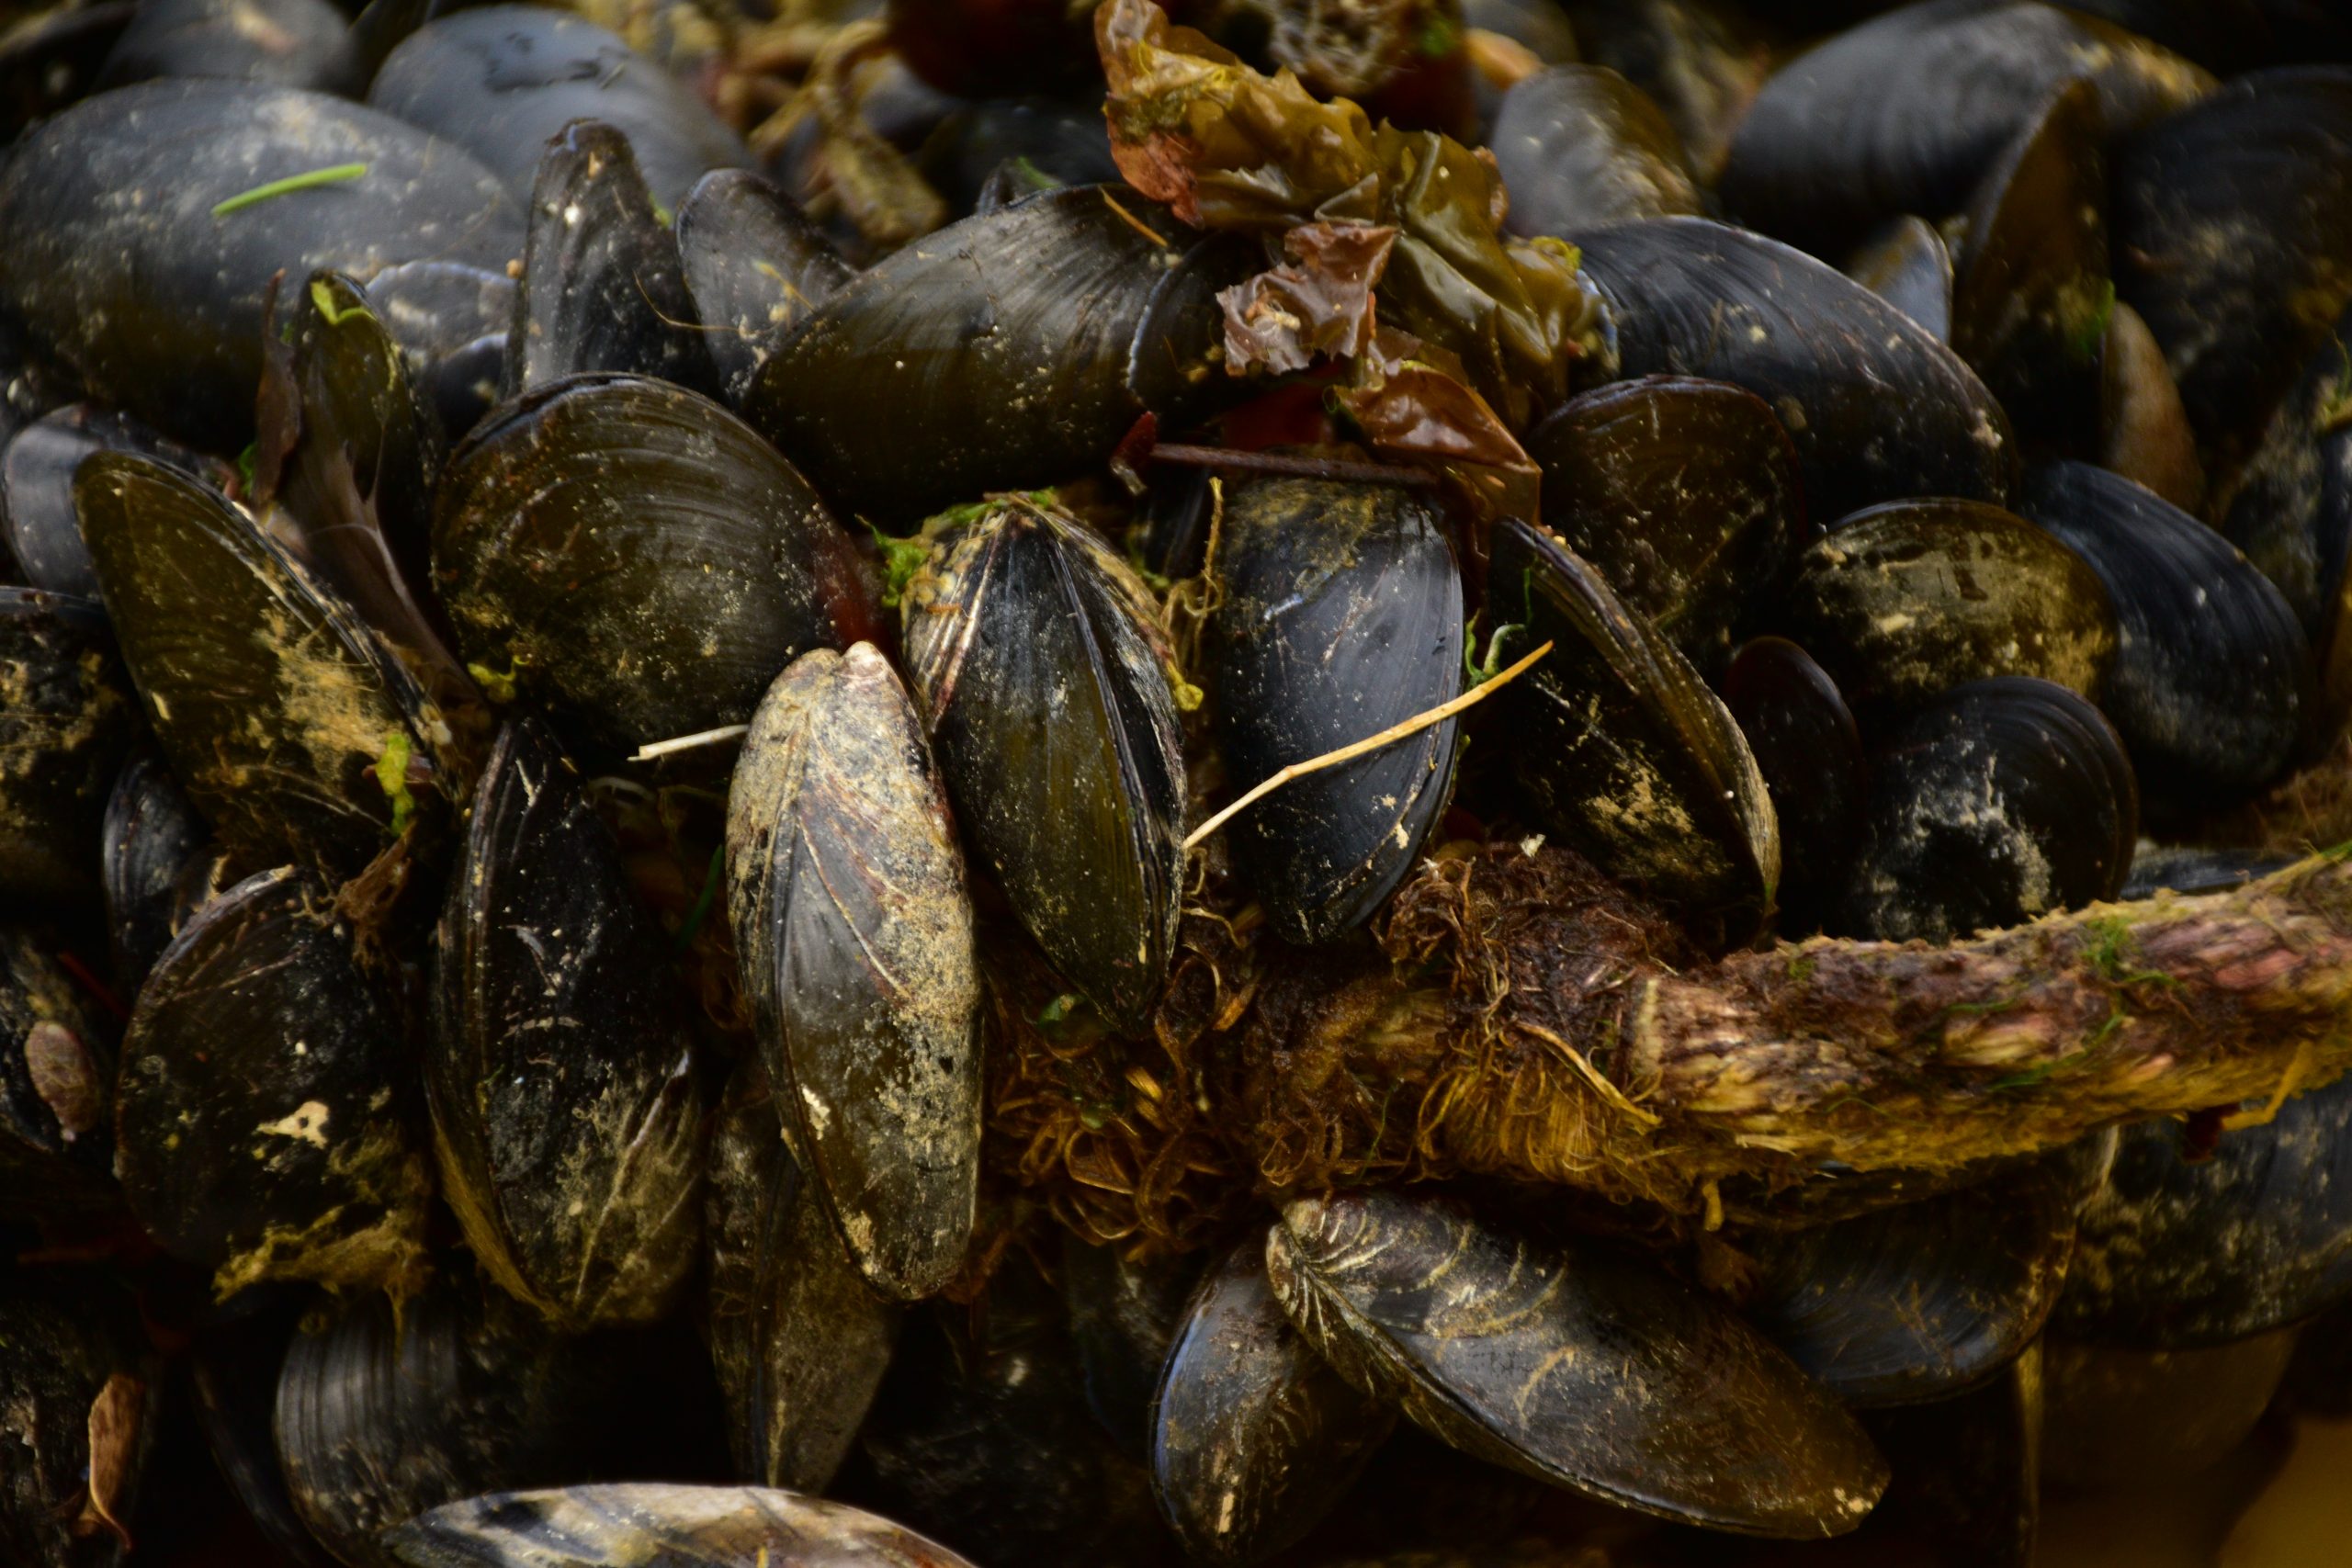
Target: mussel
[(605, 1526), (755, 265), (151, 834), (65, 721), (37, 489), (1578, 146)]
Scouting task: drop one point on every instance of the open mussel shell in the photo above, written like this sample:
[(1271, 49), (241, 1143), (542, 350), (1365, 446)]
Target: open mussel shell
[(1578, 146), (2231, 221), (1903, 601), (1808, 750), (854, 930), (2003, 801), (293, 43), (602, 287), (1684, 494), (82, 1393), (57, 1070), (645, 1526), (1042, 676), (1125, 1312), (1903, 113), (2029, 306), (798, 1339), (1906, 264), (1968, 1470), (233, 1367), (1924, 1299), (157, 304), (67, 718), (1342, 617), (2182, 1252), (150, 835), (567, 1113), (2118, 1417), (262, 1131), (641, 558), (1879, 409), (502, 81), (1570, 1363), (289, 724), (2145, 432), (1012, 348), (2212, 686), (37, 489), (1620, 746), (755, 265), (1254, 1437)]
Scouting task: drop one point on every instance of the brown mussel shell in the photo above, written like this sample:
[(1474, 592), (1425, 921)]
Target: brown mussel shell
[(755, 265), (2145, 432), (1906, 264), (57, 1071), (650, 1526), (1578, 146), (73, 1368), (66, 717)]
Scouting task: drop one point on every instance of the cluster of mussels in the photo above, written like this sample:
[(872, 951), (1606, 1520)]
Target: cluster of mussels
[(550, 736)]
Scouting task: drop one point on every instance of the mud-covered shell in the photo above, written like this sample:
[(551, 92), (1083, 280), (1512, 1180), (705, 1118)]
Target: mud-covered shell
[(150, 833), (1013, 348), (1342, 617), (71, 1363), (644, 1525), (1879, 409), (1254, 1437), (1042, 677), (562, 1073), (37, 489), (637, 554), (1570, 1363), (2116, 1418), (1905, 600), (798, 1339), (67, 718), (856, 934), (265, 1128), (57, 1070), (110, 252), (1578, 146), (1907, 264), (755, 265)]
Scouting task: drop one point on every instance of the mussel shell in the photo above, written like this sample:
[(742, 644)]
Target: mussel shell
[(1921, 1301), (1683, 492), (755, 265), (1048, 141), (1342, 617), (798, 1339), (157, 303), (856, 934), (150, 835), (502, 81), (1907, 264), (57, 1069), (1124, 1316), (1700, 61), (2212, 687), (2144, 432), (567, 1113), (637, 554), (1254, 1437), (67, 718), (1968, 1469), (293, 43), (2115, 1417), (1619, 745), (1013, 348), (36, 488), (264, 1129), (650, 1526), (1903, 601), (2191, 870), (450, 321), (2180, 1254), (66, 1346), (1578, 146), (233, 1368), (1878, 408), (1570, 1363), (276, 706), (1808, 750), (2005, 800), (1042, 677)]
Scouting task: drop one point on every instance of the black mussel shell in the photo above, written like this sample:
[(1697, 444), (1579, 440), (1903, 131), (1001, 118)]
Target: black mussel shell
[(798, 1339), (1254, 1437), (73, 1373), (1620, 746), (1342, 617), (1879, 408), (2212, 686), (450, 321), (290, 725), (563, 1071), (1701, 62), (37, 489), (1921, 1301), (1809, 751), (755, 265), (635, 553), (2144, 433), (2031, 296), (293, 43), (1903, 601), (650, 1526), (503, 81), (2114, 1418), (602, 286), (1578, 146), (1124, 1316), (1047, 141), (2182, 1253), (1903, 113), (1570, 1363), (150, 835), (2232, 221), (1043, 678), (2191, 870), (66, 719), (57, 1070), (233, 1367), (157, 304), (1968, 1469), (1684, 494), (265, 1132), (1013, 348), (854, 930), (2003, 801), (1906, 264)]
